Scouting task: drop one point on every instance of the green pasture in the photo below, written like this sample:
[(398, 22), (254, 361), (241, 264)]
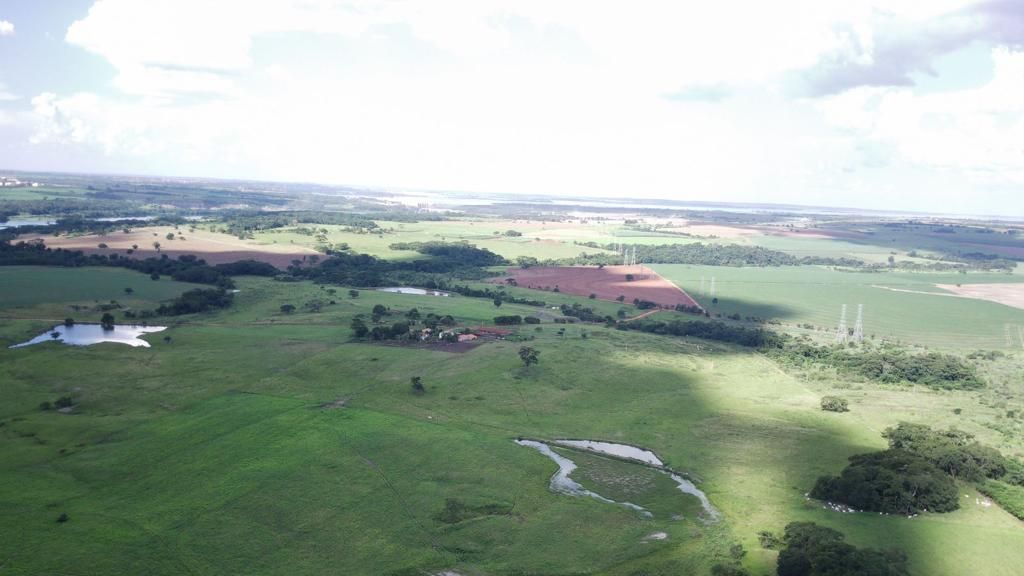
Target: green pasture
[(225, 451), (46, 292), (547, 240), (897, 305)]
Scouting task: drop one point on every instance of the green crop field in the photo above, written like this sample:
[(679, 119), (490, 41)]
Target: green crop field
[(894, 306), (258, 442), (38, 292)]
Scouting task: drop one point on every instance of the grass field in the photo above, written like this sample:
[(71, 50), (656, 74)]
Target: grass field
[(212, 453), (894, 308), (542, 240)]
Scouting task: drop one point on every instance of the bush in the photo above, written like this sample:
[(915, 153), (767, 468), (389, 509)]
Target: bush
[(834, 404), (769, 540), (508, 320), (531, 320)]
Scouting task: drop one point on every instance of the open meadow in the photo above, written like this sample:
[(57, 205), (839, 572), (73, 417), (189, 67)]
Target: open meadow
[(257, 441)]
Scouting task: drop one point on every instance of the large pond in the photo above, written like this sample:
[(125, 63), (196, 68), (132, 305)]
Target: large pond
[(16, 222), (86, 334), (414, 291), (562, 483)]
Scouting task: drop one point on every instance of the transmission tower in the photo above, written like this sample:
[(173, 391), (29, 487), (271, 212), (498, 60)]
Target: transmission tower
[(712, 287), (858, 326), (703, 293), (842, 332)]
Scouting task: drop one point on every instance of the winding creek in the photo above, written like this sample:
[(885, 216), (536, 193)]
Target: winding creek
[(562, 483)]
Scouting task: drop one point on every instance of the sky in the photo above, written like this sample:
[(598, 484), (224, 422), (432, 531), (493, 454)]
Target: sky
[(901, 104)]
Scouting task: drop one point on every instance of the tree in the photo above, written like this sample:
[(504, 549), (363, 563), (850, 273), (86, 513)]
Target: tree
[(157, 246), (529, 355), (630, 277), (413, 315), (129, 290), (135, 246), (380, 310), (497, 302), (69, 322), (620, 298), (359, 327), (107, 321), (353, 293), (592, 296), (287, 308), (417, 385), (154, 276), (834, 404), (170, 236)]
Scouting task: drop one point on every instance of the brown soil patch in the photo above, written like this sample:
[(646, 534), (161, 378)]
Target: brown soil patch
[(607, 283), (1008, 294), (213, 247)]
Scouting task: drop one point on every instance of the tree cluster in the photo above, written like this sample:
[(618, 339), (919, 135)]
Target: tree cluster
[(892, 481), (813, 550)]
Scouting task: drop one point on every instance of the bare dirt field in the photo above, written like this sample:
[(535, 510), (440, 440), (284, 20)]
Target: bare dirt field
[(607, 283), (213, 247), (1009, 294)]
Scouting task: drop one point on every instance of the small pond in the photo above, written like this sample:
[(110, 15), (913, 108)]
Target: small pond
[(414, 291), (562, 483), (86, 334)]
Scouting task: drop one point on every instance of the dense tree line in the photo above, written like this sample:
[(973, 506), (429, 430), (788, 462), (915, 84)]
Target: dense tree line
[(709, 330), (812, 550), (185, 268), (462, 252), (364, 270), (886, 365), (195, 301), (713, 254)]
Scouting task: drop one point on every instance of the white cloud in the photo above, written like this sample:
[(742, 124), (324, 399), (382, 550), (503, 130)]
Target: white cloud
[(679, 99), (6, 28)]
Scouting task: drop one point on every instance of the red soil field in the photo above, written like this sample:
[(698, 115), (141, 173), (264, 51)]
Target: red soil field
[(607, 283)]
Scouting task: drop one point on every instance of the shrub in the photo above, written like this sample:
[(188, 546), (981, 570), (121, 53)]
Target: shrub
[(531, 320), (834, 404)]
